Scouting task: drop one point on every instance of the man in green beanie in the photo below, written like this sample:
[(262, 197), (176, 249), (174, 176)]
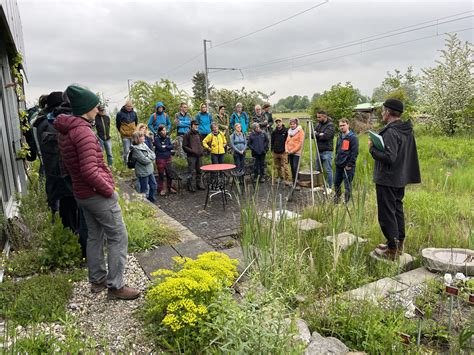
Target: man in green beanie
[(94, 190)]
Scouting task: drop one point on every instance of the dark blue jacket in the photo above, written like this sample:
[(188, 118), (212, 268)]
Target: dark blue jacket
[(163, 147), (347, 150), (124, 116), (258, 143)]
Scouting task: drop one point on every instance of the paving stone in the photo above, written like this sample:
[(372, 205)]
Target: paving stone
[(186, 236), (159, 258), (452, 260), (277, 215), (415, 277), (236, 253), (193, 248), (308, 224), (345, 240), (377, 289), (405, 260)]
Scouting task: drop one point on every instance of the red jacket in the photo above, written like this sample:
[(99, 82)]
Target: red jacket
[(83, 158)]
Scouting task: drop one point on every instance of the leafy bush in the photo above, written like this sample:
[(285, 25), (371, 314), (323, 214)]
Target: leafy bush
[(40, 298), (23, 263), (61, 248), (178, 304)]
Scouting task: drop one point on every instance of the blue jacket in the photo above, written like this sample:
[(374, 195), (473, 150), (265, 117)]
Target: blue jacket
[(163, 147), (124, 116), (258, 143), (184, 123), (243, 119), (157, 119), (347, 150), (238, 142), (205, 120)]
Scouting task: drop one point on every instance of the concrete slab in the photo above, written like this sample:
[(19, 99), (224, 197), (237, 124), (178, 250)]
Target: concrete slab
[(377, 289), (277, 215), (186, 236), (308, 224), (405, 261), (159, 258), (193, 248), (452, 260), (345, 240), (236, 253), (415, 277)]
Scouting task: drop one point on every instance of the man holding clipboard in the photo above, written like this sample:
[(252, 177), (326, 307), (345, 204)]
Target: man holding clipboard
[(396, 165)]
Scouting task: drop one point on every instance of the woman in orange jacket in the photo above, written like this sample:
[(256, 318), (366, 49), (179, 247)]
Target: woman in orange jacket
[(294, 144)]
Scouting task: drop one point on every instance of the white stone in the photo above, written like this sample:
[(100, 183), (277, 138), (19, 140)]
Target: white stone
[(277, 215), (308, 224), (322, 345), (404, 260), (303, 331), (345, 240), (449, 260)]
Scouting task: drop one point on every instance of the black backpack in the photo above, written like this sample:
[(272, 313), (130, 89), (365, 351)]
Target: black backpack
[(130, 159)]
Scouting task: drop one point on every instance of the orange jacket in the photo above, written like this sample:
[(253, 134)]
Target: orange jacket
[(294, 143)]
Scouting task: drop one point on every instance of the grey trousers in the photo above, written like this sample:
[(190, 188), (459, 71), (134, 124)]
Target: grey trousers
[(104, 222)]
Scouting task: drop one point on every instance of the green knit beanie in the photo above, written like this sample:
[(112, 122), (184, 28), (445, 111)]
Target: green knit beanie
[(82, 100)]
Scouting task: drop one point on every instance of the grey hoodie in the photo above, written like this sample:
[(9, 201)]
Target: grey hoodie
[(144, 157)]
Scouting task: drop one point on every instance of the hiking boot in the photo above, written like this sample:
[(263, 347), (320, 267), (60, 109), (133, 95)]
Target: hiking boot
[(97, 287), (124, 293), (162, 193), (389, 254), (399, 246), (173, 191)]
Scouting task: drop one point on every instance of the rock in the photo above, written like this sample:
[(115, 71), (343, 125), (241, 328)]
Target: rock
[(277, 215), (345, 240), (308, 224), (404, 261), (321, 345), (304, 334), (452, 260)]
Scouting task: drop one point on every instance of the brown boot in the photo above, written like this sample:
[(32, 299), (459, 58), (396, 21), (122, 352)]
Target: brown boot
[(389, 254), (124, 293), (399, 246), (97, 287)]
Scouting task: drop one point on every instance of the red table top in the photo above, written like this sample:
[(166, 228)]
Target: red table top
[(217, 167)]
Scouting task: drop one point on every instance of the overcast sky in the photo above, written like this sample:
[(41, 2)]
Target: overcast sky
[(102, 44)]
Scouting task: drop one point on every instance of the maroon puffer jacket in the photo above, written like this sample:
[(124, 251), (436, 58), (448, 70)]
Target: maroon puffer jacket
[(83, 157)]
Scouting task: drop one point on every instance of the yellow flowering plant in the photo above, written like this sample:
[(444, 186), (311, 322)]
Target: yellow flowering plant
[(179, 299)]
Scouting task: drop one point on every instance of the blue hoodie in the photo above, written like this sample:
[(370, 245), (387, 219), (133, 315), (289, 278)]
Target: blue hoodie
[(243, 119), (184, 123), (156, 119), (204, 120)]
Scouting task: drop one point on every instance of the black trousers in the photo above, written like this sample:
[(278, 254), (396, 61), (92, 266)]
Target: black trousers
[(390, 213), (259, 166), (293, 159)]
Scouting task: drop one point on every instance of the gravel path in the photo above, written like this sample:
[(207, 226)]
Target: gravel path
[(113, 322)]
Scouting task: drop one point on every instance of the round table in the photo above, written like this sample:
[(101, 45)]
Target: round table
[(217, 182)]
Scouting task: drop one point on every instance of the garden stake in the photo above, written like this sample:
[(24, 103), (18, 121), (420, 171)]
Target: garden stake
[(420, 314), (451, 291)]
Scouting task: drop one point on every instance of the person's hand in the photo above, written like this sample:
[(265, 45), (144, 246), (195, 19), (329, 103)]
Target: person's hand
[(321, 134), (348, 167), (176, 121), (370, 144)]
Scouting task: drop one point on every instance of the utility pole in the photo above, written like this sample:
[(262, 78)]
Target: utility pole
[(206, 74), (128, 83)]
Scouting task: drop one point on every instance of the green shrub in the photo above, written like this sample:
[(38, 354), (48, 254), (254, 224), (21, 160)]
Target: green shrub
[(23, 263), (176, 307), (40, 298), (61, 248)]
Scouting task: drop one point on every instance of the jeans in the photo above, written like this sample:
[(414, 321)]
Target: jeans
[(107, 146), (326, 160), (217, 158), (390, 213), (180, 152), (104, 220), (161, 167), (127, 142), (239, 161), (259, 166), (294, 160), (148, 183), (347, 176)]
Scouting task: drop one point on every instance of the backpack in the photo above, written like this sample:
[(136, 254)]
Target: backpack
[(131, 161)]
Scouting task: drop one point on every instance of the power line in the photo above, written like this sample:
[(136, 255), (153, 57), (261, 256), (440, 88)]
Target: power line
[(271, 25), (360, 41), (364, 51), (198, 55)]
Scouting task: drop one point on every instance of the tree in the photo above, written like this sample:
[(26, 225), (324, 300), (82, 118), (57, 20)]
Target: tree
[(339, 101), (403, 87), (199, 89), (229, 98), (145, 96), (292, 103), (447, 89)]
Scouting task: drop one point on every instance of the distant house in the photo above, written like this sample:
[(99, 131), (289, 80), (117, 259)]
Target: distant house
[(367, 110), (12, 170)]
